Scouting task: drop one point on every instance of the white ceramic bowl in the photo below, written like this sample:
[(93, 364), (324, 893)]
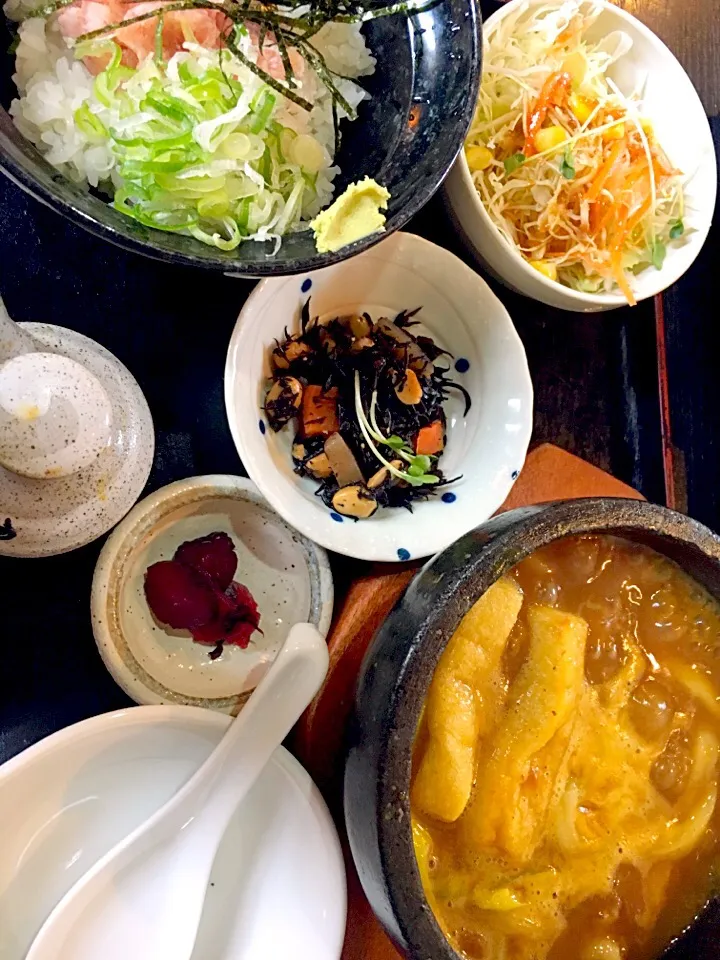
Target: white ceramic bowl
[(288, 576), (278, 884), (487, 447), (672, 103)]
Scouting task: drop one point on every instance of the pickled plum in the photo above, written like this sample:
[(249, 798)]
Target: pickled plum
[(236, 621), (213, 555), (178, 595), (195, 591)]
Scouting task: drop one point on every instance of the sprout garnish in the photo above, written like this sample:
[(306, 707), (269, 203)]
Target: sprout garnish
[(418, 465)]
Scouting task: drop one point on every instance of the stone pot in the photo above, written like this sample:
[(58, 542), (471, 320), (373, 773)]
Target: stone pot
[(400, 663)]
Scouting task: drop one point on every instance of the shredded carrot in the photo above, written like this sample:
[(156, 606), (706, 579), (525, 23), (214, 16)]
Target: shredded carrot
[(619, 234), (600, 212), (636, 171), (639, 214), (661, 170), (554, 91), (623, 230), (605, 170), (612, 211), (621, 279)]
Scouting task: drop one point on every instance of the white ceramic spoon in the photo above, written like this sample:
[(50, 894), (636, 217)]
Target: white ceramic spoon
[(143, 900)]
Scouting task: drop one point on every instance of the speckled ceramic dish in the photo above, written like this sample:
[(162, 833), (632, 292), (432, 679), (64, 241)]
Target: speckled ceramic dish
[(486, 445), (409, 130), (288, 576), (400, 664)]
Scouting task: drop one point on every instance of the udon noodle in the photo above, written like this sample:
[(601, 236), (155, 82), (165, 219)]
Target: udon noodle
[(566, 767)]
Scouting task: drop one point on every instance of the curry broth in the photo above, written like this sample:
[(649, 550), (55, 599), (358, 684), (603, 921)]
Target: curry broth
[(582, 876)]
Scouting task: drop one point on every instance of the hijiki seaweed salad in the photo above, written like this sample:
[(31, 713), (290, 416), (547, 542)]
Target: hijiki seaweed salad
[(366, 398), (216, 119)]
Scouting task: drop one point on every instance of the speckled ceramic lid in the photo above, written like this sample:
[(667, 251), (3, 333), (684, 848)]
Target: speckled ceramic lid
[(76, 439)]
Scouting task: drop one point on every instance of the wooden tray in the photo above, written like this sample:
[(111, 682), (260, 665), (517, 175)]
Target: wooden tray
[(549, 474)]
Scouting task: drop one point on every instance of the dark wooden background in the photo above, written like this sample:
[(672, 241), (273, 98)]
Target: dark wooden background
[(597, 386)]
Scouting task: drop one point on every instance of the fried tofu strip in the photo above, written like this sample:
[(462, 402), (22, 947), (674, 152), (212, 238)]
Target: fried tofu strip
[(460, 700), (516, 780)]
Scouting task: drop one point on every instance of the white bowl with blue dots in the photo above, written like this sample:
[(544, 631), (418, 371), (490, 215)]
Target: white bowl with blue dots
[(485, 448)]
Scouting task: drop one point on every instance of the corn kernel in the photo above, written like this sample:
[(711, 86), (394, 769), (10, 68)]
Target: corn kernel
[(478, 158), (646, 126), (581, 107), (576, 66), (545, 267), (616, 132), (549, 137)]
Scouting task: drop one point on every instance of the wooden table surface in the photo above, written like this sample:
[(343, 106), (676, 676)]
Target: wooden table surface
[(600, 382)]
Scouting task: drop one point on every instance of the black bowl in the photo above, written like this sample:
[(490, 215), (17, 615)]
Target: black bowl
[(423, 96), (399, 666)]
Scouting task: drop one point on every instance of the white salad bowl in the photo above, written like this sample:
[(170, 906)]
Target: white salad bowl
[(486, 448), (671, 102), (278, 883)]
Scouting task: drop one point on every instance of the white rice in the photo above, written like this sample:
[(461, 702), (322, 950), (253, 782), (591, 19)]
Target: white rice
[(52, 85)]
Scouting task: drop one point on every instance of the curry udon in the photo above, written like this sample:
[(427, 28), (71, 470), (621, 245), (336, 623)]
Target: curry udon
[(566, 766)]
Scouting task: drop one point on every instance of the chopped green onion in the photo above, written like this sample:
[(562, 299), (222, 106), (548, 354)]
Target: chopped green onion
[(102, 90), (107, 82), (219, 189), (242, 215), (89, 124), (266, 166), (211, 90), (155, 143), (98, 48), (567, 166), (215, 239), (170, 107), (187, 78), (262, 111), (158, 219), (134, 169), (214, 205), (512, 163)]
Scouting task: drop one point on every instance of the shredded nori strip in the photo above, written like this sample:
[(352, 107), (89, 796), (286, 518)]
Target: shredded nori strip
[(7, 531)]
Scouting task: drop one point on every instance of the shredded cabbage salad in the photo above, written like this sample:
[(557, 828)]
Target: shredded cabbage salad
[(198, 148), (566, 165)]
